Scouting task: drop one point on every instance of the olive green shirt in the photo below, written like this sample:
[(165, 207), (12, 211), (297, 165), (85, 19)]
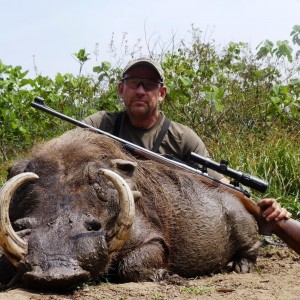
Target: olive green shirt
[(179, 140)]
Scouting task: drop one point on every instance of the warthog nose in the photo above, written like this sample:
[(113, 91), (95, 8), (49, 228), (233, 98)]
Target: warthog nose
[(55, 278)]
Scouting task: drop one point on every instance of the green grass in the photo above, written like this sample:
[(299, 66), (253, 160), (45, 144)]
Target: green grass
[(195, 290), (275, 160)]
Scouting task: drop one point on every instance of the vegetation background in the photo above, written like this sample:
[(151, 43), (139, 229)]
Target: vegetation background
[(244, 104)]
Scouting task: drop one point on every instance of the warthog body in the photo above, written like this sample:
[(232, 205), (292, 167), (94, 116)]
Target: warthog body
[(67, 218)]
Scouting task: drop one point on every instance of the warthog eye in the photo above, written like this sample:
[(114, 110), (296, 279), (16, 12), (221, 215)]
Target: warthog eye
[(93, 225)]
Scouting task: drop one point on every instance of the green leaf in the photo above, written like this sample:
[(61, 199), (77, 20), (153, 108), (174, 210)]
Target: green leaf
[(284, 49), (266, 49), (276, 100), (82, 56), (59, 79), (219, 106), (185, 81), (106, 65), (101, 76), (97, 69)]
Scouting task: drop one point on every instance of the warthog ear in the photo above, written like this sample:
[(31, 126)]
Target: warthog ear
[(127, 169), (17, 168)]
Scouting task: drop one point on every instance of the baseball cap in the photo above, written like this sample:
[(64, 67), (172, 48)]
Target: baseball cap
[(146, 60)]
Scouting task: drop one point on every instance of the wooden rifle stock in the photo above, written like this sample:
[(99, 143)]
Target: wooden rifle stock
[(286, 230)]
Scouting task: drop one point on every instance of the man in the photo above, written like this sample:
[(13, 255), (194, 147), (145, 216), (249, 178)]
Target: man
[(142, 123)]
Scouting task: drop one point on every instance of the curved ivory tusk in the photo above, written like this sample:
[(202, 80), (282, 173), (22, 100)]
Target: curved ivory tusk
[(120, 231), (14, 247)]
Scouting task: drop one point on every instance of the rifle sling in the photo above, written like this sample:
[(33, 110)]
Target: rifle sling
[(159, 139)]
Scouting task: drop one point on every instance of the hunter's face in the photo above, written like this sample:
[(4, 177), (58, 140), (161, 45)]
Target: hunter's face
[(141, 91)]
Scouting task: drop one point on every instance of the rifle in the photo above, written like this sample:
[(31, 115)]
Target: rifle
[(287, 230)]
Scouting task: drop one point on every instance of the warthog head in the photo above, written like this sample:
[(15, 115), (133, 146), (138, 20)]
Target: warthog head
[(71, 211)]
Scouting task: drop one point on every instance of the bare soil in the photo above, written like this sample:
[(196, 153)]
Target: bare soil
[(276, 276)]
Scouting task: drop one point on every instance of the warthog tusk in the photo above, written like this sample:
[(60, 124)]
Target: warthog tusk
[(120, 231), (14, 247)]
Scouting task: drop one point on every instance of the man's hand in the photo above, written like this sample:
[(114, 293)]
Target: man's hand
[(271, 210)]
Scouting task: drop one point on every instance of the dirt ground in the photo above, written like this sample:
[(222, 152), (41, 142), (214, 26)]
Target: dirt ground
[(276, 276)]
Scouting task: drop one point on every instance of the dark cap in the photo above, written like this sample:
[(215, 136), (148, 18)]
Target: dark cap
[(146, 60)]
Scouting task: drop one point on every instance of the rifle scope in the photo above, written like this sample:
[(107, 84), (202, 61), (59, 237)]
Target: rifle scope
[(222, 167)]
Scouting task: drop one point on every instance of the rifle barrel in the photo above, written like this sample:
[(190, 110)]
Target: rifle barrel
[(130, 147)]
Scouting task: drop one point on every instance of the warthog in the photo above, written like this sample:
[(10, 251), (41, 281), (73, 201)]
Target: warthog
[(83, 208)]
